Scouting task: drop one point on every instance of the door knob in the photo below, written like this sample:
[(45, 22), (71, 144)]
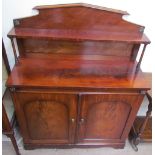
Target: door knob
[(82, 120), (72, 120)]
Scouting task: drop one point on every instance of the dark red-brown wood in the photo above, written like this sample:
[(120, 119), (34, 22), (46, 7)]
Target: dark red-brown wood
[(99, 114), (76, 82), (49, 117), (78, 73), (73, 22), (76, 35)]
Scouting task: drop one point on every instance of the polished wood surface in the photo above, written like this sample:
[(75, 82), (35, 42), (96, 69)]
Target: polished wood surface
[(75, 47), (43, 7), (76, 81), (53, 115), (72, 22), (51, 118), (76, 35), (100, 113), (78, 73)]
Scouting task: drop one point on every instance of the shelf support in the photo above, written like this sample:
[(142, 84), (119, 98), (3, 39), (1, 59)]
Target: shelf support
[(14, 51), (134, 52), (141, 57)]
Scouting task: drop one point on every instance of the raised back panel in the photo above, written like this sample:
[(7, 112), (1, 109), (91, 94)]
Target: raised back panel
[(79, 17), (77, 21)]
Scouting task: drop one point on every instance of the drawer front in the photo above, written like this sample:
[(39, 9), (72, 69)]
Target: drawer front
[(106, 117), (48, 118)]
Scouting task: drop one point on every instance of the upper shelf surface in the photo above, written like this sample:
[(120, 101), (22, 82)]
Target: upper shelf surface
[(78, 22), (76, 35), (78, 72)]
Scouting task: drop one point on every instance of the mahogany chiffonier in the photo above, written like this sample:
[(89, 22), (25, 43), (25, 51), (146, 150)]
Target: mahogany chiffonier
[(76, 81)]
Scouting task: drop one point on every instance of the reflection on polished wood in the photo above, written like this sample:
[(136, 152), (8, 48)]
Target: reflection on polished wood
[(78, 73), (75, 35), (77, 82)]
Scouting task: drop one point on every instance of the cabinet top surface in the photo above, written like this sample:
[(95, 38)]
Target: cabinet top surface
[(78, 72)]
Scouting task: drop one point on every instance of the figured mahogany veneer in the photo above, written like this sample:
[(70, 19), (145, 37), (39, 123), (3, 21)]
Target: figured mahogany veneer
[(76, 72), (76, 81), (72, 22)]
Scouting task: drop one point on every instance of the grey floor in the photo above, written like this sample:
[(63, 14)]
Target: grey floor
[(144, 149)]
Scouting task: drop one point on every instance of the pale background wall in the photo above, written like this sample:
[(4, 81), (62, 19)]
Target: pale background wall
[(141, 12)]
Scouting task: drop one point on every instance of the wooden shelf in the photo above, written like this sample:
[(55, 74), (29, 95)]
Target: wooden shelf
[(77, 35), (74, 63), (77, 72)]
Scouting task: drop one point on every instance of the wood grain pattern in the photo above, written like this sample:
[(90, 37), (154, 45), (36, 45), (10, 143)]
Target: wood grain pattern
[(76, 17), (77, 83), (78, 73), (82, 35), (72, 22), (47, 117), (77, 48), (101, 113), (42, 111)]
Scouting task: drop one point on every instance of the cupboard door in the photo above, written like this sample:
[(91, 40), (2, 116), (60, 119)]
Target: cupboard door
[(106, 117), (46, 117)]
